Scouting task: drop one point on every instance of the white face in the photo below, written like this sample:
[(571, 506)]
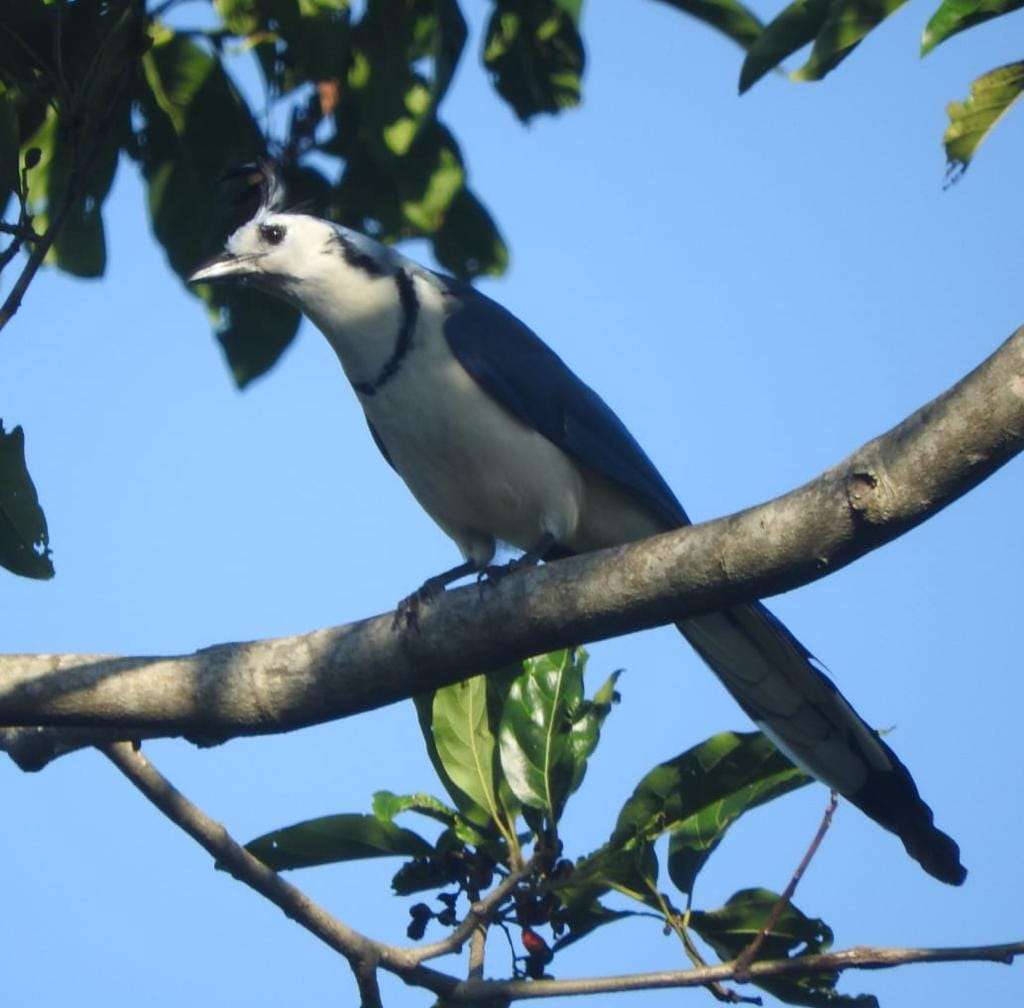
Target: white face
[(287, 252)]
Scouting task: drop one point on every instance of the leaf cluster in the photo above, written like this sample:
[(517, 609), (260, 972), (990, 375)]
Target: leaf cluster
[(511, 749)]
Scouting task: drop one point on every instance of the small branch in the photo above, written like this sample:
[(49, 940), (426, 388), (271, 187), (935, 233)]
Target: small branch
[(881, 491), (861, 957), (363, 954), (477, 950), (480, 914), (749, 954)]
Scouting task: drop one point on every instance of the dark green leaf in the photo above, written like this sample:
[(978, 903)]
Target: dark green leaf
[(534, 53), (346, 837), (631, 870), (580, 919), (9, 147), (700, 793), (730, 929), (719, 781), (468, 243), (797, 25), (585, 729), (991, 97), (197, 127), (24, 541), (955, 16), (729, 17), (847, 23)]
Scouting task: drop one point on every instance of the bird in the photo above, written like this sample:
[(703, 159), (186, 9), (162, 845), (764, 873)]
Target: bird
[(501, 443)]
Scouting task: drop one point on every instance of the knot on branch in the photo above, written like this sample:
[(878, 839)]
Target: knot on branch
[(869, 495)]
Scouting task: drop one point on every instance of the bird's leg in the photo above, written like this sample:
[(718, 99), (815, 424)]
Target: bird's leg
[(493, 573), (407, 611)]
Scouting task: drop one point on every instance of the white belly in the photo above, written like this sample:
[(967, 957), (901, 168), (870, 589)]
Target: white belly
[(480, 473)]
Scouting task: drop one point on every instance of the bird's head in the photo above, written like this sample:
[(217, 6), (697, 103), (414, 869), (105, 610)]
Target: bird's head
[(315, 264)]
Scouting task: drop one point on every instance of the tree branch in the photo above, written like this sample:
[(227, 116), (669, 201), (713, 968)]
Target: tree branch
[(881, 491)]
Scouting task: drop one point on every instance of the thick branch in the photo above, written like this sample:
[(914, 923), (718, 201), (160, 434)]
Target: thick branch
[(884, 489)]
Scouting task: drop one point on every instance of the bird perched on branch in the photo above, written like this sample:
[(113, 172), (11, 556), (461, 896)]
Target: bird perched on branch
[(500, 442)]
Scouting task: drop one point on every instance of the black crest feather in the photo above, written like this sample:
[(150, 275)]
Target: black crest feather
[(261, 179)]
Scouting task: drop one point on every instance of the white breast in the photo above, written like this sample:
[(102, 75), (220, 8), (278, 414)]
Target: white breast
[(480, 473)]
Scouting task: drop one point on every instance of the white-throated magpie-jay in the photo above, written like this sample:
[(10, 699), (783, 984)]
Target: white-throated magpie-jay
[(500, 442)]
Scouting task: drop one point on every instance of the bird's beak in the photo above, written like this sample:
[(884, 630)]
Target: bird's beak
[(223, 266)]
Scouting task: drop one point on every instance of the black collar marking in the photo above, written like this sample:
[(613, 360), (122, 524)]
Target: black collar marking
[(351, 255), (403, 342)]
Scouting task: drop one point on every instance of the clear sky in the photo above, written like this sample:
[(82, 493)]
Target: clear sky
[(757, 286)]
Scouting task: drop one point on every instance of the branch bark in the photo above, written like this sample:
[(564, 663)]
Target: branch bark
[(882, 490)]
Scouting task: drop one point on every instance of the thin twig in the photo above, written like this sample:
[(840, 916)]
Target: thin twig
[(747, 956), (477, 949), (860, 957)]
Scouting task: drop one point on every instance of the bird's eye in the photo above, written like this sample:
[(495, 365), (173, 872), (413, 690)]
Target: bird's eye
[(272, 234)]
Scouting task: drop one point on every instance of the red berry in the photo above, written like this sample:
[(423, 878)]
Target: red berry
[(534, 944)]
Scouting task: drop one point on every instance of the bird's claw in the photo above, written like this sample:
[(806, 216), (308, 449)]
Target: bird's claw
[(407, 612)]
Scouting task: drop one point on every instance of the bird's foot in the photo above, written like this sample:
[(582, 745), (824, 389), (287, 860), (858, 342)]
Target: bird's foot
[(407, 612), (493, 573)]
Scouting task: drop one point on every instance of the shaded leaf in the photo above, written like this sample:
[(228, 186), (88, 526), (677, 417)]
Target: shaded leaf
[(955, 16), (729, 17), (24, 540), (468, 243), (991, 97), (534, 53), (580, 919), (730, 929), (9, 146), (790, 30), (847, 23), (631, 870), (700, 793), (329, 839), (197, 126)]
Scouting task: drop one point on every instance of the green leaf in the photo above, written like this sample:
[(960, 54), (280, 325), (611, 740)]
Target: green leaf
[(387, 804), (197, 126), (548, 731), (790, 30), (24, 540), (730, 929), (9, 146), (534, 53), (729, 17), (468, 243), (459, 728), (991, 97), (847, 23), (722, 779), (700, 793), (329, 839), (955, 16), (631, 870), (580, 919)]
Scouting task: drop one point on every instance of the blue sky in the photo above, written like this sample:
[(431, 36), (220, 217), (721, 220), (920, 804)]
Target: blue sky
[(757, 286)]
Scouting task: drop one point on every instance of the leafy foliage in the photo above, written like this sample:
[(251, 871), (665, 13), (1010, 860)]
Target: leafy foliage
[(730, 929), (955, 16), (729, 17), (24, 541), (970, 121), (515, 745)]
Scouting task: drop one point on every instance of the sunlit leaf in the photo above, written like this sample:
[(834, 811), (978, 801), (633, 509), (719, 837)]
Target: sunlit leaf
[(534, 53), (847, 23), (345, 837), (729, 17), (631, 870), (387, 805), (730, 929), (24, 540), (793, 28), (991, 97), (955, 16)]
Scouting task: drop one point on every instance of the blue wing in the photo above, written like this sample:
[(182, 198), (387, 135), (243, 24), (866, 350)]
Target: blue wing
[(512, 364)]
